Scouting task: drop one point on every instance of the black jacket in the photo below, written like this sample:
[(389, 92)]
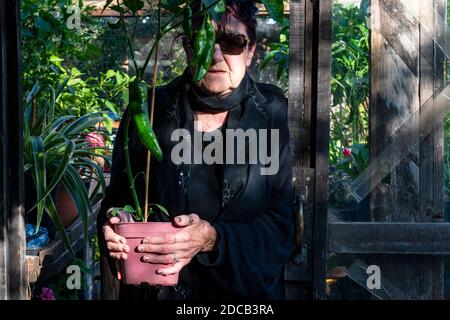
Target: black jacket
[(256, 224)]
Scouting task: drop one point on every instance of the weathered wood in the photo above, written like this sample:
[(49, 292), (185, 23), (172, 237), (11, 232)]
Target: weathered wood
[(13, 276), (393, 238), (388, 291), (402, 79), (394, 97), (321, 128), (297, 269)]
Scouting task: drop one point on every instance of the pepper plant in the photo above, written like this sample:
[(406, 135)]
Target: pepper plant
[(178, 14)]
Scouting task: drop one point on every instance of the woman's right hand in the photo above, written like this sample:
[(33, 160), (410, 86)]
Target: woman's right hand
[(116, 244)]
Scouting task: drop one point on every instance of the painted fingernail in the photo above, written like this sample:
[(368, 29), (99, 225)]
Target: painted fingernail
[(146, 259), (141, 248), (178, 219), (145, 241)]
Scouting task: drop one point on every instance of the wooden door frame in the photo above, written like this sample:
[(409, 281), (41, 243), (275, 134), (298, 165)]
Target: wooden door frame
[(13, 278), (309, 120)]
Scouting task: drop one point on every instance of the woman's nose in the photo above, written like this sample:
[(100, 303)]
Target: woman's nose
[(217, 55)]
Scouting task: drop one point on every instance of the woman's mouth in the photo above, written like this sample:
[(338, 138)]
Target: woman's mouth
[(216, 71)]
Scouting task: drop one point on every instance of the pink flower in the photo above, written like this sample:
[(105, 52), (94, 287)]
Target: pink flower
[(47, 294), (95, 140), (347, 152)]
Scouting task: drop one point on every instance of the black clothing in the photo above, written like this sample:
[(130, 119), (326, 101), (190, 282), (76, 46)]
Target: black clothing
[(216, 104), (203, 194), (255, 223)]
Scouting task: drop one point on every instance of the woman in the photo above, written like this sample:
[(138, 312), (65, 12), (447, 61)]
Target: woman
[(237, 223)]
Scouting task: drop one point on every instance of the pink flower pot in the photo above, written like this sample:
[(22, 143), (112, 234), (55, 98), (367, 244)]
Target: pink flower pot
[(134, 270)]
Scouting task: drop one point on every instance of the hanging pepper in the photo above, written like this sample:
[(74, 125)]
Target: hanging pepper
[(209, 48), (204, 61), (200, 41), (139, 111)]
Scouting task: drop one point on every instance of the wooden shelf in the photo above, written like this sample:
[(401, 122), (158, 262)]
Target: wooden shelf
[(49, 261)]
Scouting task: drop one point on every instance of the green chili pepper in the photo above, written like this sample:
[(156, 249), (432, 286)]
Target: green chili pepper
[(139, 110), (207, 54), (199, 43), (187, 22)]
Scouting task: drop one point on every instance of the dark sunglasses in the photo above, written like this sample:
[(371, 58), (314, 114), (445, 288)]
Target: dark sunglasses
[(230, 43)]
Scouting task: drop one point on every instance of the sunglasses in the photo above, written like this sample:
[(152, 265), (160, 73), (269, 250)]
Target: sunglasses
[(231, 43)]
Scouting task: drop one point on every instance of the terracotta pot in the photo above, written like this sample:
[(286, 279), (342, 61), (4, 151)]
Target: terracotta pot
[(65, 206), (134, 270)]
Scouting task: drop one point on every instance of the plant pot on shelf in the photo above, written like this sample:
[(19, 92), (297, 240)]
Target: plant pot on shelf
[(65, 206), (134, 270)]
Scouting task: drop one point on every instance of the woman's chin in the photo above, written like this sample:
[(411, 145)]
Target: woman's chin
[(216, 87)]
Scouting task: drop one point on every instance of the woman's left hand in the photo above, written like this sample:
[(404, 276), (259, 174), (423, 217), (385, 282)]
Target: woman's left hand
[(177, 249)]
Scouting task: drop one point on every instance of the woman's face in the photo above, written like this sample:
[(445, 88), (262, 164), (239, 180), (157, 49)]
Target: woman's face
[(226, 71)]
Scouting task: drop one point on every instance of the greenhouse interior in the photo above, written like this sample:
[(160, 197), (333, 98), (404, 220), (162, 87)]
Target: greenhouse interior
[(355, 92)]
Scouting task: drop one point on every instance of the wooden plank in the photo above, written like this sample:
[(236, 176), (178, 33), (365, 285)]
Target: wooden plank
[(13, 276), (321, 127), (427, 146), (392, 238), (394, 97), (438, 29), (295, 270)]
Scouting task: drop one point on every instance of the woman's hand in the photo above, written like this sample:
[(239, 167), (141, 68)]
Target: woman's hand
[(116, 244), (177, 249)]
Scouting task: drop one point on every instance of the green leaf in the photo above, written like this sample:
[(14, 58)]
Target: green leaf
[(160, 207), (275, 8), (134, 5), (51, 210), (40, 175), (129, 209), (118, 9), (56, 177), (108, 2), (215, 10), (34, 91), (82, 123), (75, 186), (42, 24), (115, 211), (172, 5)]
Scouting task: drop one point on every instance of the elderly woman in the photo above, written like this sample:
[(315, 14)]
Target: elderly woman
[(236, 220)]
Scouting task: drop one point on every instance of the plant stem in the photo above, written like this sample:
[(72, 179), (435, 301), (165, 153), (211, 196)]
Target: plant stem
[(155, 71), (128, 168), (128, 40)]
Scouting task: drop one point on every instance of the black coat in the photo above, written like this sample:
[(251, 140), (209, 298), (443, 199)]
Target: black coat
[(256, 224)]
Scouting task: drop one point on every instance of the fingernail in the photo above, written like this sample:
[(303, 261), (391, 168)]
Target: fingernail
[(146, 259), (141, 248), (127, 248), (145, 241), (178, 219)]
